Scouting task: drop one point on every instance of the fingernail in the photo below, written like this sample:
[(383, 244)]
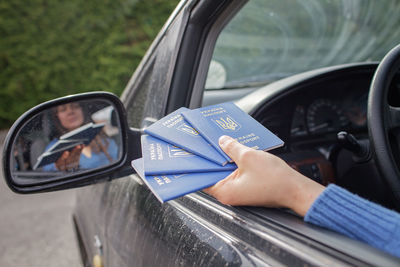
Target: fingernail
[(222, 140)]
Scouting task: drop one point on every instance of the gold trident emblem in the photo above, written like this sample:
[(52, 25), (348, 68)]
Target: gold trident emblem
[(186, 128), (227, 124)]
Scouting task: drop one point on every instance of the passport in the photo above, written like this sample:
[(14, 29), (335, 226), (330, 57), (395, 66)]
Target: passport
[(86, 132), (168, 187), (228, 119), (160, 157), (175, 130), (68, 141), (55, 152)]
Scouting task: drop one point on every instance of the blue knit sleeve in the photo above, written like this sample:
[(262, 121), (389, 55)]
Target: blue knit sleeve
[(346, 213)]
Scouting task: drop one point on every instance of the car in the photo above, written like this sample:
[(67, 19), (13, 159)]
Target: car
[(318, 74)]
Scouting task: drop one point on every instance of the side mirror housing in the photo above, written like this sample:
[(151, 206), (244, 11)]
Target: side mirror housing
[(69, 142)]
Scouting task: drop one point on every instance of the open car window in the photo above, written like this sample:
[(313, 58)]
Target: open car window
[(270, 40), (267, 41)]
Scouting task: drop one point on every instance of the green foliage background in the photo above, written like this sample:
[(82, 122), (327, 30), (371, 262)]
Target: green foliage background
[(53, 48)]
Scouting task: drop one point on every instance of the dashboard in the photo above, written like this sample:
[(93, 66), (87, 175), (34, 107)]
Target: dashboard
[(310, 114), (324, 115)]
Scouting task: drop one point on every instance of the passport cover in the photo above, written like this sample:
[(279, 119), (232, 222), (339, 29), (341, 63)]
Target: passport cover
[(52, 155), (82, 135), (86, 132), (163, 158), (175, 130), (228, 119), (168, 187)]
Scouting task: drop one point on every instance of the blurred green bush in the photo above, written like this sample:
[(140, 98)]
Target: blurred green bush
[(54, 48)]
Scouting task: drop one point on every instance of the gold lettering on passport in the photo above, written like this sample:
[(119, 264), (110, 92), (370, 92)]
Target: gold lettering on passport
[(166, 179), (152, 152), (159, 152), (213, 112), (171, 122), (158, 180)]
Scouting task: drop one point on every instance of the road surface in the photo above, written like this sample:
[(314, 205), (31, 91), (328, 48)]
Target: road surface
[(36, 230)]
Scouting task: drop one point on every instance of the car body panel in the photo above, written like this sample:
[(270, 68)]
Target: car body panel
[(196, 230)]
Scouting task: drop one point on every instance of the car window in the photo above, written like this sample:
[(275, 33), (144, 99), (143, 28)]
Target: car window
[(270, 40)]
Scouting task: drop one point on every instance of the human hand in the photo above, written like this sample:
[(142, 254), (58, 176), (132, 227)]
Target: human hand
[(263, 179), (69, 160)]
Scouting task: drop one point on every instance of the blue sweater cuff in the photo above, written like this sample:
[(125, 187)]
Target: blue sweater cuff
[(346, 213)]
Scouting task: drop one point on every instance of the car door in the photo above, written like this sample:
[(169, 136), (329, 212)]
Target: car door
[(196, 229)]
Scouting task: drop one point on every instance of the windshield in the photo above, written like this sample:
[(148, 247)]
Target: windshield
[(270, 40)]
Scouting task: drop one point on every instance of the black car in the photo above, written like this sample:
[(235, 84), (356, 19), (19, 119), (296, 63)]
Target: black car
[(313, 72)]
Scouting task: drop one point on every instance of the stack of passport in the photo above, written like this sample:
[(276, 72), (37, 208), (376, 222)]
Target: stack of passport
[(180, 152)]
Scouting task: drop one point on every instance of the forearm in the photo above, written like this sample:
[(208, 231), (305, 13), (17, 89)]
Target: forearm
[(353, 216)]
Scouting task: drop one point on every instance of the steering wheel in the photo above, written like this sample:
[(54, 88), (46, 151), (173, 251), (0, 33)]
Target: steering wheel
[(384, 122)]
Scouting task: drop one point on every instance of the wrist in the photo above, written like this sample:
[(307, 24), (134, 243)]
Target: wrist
[(303, 193)]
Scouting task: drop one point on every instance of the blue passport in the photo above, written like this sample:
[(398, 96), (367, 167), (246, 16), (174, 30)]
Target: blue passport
[(168, 187), (228, 119), (175, 130), (163, 158), (82, 135)]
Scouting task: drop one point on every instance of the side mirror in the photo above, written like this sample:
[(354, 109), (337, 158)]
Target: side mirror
[(65, 143)]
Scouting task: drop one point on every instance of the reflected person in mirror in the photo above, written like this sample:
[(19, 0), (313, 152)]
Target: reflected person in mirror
[(263, 179), (101, 151)]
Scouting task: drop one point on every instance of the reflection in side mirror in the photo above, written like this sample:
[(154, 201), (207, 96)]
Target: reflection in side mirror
[(66, 139)]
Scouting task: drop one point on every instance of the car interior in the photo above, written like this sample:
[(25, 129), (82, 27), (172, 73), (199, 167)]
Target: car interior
[(312, 91), (320, 108)]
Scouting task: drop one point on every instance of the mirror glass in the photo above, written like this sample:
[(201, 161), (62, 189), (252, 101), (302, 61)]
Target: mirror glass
[(66, 139)]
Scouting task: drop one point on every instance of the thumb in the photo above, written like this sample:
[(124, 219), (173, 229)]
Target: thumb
[(232, 148)]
